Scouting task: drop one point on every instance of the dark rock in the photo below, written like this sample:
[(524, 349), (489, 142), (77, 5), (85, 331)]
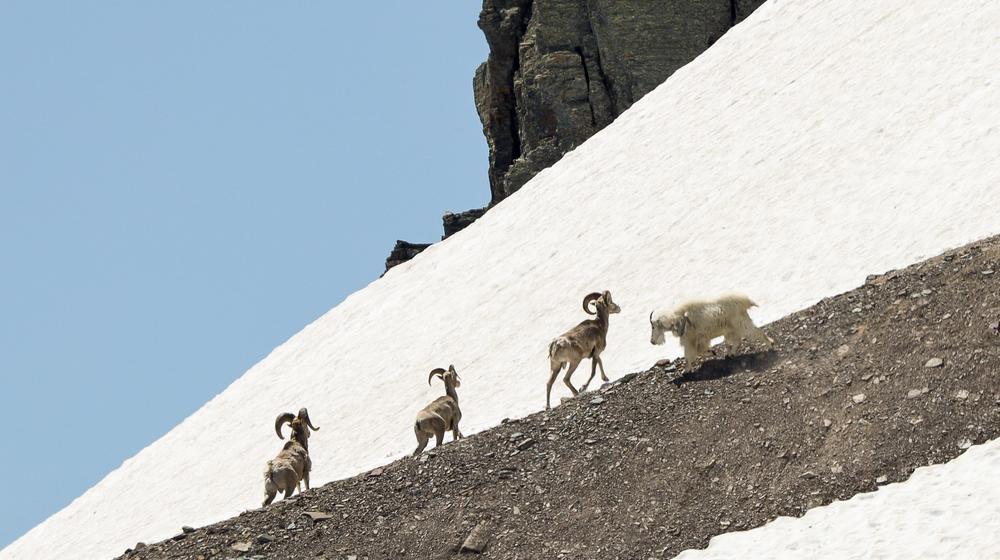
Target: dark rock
[(187, 529), (561, 70), (453, 223), (403, 251)]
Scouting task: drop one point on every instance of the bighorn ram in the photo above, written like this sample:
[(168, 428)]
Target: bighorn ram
[(442, 414), (696, 323), (586, 340), (292, 465)]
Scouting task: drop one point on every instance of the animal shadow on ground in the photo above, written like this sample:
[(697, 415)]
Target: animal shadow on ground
[(717, 368)]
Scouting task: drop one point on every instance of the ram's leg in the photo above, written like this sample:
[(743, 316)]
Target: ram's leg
[(305, 479), (552, 379), (422, 440), (456, 434), (270, 491), (595, 362), (289, 491), (569, 373), (439, 436)]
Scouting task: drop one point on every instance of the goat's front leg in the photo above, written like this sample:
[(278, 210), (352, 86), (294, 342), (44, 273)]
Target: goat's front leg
[(690, 355), (732, 343), (759, 336)]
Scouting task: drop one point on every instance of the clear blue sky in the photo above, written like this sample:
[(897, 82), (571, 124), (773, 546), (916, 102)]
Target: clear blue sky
[(184, 185)]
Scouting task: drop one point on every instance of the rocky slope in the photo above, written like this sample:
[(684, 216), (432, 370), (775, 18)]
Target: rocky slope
[(561, 70), (861, 389)]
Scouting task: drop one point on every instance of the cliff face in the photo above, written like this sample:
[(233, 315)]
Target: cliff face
[(560, 70)]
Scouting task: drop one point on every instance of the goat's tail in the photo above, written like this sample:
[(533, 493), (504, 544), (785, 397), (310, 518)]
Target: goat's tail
[(268, 471)]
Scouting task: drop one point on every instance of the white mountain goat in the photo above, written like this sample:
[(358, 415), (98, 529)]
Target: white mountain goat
[(292, 465), (442, 414), (696, 323), (586, 340)]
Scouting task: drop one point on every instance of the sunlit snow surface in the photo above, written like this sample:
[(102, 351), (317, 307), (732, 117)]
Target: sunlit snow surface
[(818, 142), (947, 512)]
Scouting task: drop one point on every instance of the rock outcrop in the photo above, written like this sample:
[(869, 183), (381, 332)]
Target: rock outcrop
[(404, 251), (561, 70)]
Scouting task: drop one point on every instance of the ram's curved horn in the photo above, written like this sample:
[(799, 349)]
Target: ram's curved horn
[(304, 415), (590, 298), (436, 371), (281, 420)]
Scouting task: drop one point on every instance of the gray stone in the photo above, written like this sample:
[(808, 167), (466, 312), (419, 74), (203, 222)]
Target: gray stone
[(934, 362), (477, 539)]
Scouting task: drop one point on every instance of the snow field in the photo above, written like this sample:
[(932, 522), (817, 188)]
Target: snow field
[(947, 511)]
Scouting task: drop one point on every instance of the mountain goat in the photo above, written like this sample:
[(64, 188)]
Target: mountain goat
[(292, 465), (696, 323), (586, 340), (442, 414)]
